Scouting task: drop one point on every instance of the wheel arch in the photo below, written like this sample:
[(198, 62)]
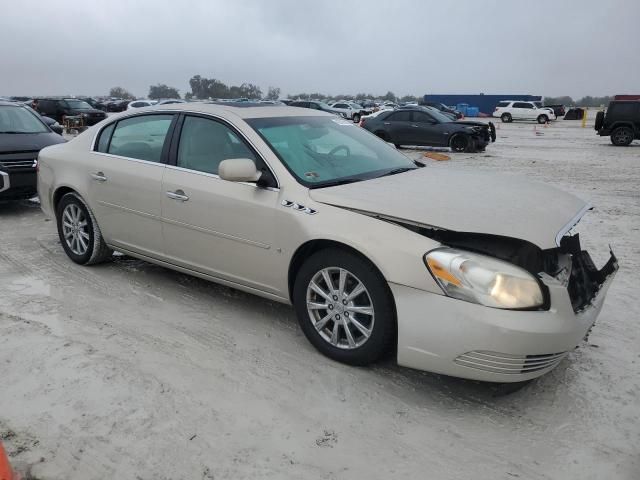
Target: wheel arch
[(60, 192), (312, 246)]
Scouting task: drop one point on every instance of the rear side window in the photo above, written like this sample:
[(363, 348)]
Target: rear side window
[(624, 110), (204, 143), (140, 137), (103, 140), (400, 117), (503, 104)]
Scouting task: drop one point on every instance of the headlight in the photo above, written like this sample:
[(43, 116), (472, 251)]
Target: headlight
[(484, 280)]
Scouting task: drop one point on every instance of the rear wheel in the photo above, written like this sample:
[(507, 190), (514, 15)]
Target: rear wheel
[(506, 118), (344, 307), (356, 118), (622, 136), (79, 232), (542, 119)]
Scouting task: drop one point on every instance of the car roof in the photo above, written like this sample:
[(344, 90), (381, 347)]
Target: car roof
[(240, 109), (8, 103)]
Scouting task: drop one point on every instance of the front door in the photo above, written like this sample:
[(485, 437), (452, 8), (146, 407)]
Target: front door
[(125, 180), (425, 131), (221, 228)]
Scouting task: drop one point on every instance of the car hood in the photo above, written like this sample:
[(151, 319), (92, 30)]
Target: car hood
[(464, 201), (24, 142)]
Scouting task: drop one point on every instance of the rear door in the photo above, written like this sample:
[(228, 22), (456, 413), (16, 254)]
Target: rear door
[(398, 125), (221, 228), (125, 171)]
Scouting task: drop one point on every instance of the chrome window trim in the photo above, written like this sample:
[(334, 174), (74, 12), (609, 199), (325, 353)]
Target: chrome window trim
[(213, 175), (131, 159), (177, 112)]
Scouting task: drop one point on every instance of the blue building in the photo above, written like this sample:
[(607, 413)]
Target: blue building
[(486, 103)]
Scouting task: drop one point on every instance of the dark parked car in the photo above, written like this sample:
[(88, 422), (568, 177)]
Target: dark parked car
[(428, 127), (621, 122), (443, 108), (97, 104), (117, 105), (315, 105), (22, 135), (58, 108), (558, 110)]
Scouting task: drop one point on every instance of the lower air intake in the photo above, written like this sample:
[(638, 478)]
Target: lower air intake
[(509, 364)]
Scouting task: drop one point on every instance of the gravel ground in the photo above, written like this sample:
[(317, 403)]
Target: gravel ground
[(131, 371)]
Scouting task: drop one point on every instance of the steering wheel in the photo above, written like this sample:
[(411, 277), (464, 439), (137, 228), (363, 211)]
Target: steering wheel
[(338, 148)]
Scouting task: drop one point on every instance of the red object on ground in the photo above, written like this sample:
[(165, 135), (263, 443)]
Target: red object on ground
[(627, 97), (5, 469)]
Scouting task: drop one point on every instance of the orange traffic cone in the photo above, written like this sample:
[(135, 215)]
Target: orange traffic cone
[(5, 469)]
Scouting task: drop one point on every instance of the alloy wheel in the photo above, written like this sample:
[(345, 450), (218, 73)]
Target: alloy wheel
[(75, 229), (340, 308)]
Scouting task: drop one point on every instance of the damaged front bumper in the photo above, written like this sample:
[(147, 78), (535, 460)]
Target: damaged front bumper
[(452, 337)]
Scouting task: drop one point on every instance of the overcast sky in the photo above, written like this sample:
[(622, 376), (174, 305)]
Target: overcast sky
[(335, 46)]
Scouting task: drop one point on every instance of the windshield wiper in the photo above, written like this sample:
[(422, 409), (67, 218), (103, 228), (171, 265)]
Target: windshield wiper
[(335, 183), (397, 170)]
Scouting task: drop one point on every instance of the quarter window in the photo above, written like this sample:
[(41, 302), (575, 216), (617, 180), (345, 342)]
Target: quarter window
[(204, 143), (141, 137)]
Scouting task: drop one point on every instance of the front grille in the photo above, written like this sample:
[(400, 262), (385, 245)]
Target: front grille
[(14, 164), (509, 364)]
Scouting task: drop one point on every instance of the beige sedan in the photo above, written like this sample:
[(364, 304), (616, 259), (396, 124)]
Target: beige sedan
[(455, 272)]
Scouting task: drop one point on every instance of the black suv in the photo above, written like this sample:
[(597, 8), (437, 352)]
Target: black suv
[(58, 108), (621, 122)]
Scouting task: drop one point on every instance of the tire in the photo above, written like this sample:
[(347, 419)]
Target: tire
[(89, 247), (492, 131), (622, 136), (360, 349), (599, 121), (356, 118), (542, 119), (506, 118), (460, 143)]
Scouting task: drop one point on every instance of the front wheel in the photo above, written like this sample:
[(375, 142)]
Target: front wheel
[(542, 119), (79, 232), (460, 143), (622, 136), (344, 307)]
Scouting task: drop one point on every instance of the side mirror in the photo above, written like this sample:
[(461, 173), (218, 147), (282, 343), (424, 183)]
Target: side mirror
[(239, 170), (56, 128)]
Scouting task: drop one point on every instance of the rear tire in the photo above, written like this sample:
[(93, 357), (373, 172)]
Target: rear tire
[(376, 330), (542, 119), (506, 118), (356, 118), (78, 231), (599, 121), (622, 136)]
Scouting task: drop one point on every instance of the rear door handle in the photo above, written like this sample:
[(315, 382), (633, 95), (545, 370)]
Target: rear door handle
[(99, 177), (414, 126), (178, 195)]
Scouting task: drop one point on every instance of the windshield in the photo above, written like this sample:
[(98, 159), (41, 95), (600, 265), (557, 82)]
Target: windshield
[(19, 120), (78, 105), (325, 151)]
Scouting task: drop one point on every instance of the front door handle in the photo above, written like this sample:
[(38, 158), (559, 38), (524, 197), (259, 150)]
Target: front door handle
[(415, 126), (99, 177), (178, 195)]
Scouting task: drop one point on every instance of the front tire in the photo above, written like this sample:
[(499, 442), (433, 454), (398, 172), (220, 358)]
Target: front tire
[(622, 136), (344, 307), (542, 119), (460, 143), (79, 233)]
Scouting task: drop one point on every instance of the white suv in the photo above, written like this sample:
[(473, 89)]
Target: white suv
[(510, 110)]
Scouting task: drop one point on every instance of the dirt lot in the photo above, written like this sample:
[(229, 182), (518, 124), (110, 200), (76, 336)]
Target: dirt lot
[(131, 371)]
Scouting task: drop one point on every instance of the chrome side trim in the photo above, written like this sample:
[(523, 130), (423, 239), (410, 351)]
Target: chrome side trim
[(205, 276), (217, 234), (572, 223), (5, 181), (129, 210)]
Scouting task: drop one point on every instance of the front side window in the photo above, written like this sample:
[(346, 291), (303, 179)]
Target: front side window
[(521, 105), (420, 117), (204, 143), (321, 151), (14, 119), (140, 137)]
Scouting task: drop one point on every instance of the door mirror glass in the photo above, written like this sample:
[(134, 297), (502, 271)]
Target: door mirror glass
[(239, 170)]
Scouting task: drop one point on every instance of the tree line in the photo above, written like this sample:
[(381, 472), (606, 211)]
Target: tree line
[(205, 88)]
